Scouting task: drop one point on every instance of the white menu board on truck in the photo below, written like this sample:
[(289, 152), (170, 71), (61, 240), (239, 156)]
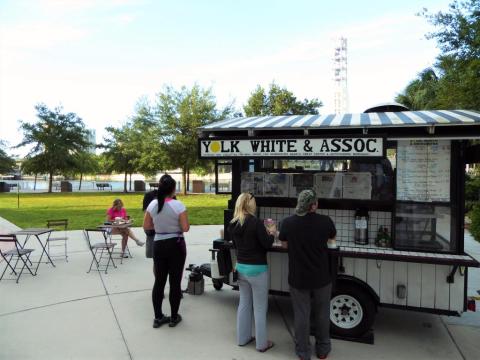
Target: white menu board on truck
[(252, 182), (423, 170), (328, 185)]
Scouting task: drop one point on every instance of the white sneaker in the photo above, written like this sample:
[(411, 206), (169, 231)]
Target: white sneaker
[(140, 243)]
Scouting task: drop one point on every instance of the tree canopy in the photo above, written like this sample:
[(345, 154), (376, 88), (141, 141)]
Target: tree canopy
[(421, 93), (278, 101), (456, 80), (180, 114), (121, 150), (457, 30), (7, 164), (56, 139), (135, 146)]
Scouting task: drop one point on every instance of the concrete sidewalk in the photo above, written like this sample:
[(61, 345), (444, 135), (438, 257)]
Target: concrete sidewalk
[(65, 313)]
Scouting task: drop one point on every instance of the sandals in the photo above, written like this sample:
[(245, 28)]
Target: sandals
[(269, 346), (249, 341)]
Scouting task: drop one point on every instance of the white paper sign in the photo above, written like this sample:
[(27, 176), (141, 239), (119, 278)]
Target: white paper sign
[(291, 147), (423, 170)]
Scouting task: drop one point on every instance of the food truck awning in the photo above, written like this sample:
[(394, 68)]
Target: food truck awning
[(377, 120)]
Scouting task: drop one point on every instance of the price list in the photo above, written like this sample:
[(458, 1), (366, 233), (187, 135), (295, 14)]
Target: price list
[(423, 170)]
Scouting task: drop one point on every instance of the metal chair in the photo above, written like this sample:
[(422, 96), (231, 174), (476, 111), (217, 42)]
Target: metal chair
[(113, 240), (14, 252), (59, 235), (102, 250)]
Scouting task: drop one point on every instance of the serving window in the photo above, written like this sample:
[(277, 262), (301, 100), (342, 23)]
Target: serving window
[(412, 185)]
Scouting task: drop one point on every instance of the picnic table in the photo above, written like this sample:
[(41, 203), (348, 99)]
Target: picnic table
[(153, 186)]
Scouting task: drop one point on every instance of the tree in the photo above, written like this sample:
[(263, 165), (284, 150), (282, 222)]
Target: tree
[(458, 37), (456, 80), (152, 157), (278, 101), (421, 93), (56, 138), (136, 146), (85, 163), (458, 30), (33, 165), (180, 114), (120, 151), (7, 163)]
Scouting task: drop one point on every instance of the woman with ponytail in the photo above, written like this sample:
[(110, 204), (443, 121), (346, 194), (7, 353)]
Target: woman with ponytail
[(168, 217)]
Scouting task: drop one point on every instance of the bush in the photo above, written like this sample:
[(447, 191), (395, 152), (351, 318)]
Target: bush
[(475, 222), (472, 187)]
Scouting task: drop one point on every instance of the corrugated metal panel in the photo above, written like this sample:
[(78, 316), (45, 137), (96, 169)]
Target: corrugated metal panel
[(364, 120)]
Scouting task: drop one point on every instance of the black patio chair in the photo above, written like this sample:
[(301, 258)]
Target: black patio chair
[(101, 251), (16, 253), (58, 236)]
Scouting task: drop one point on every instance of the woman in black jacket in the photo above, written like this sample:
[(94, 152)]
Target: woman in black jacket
[(252, 242)]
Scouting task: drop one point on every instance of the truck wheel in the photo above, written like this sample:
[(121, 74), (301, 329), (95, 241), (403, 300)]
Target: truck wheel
[(217, 284), (352, 310)]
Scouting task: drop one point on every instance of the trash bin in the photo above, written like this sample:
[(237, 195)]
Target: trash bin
[(4, 187), (198, 186), (65, 186), (139, 185)]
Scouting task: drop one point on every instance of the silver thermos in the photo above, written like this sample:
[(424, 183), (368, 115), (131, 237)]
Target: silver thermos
[(361, 227)]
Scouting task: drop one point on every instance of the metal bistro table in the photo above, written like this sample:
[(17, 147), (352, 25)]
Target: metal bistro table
[(116, 225), (37, 233)]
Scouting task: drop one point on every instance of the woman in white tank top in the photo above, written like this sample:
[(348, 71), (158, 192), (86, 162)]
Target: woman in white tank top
[(168, 217)]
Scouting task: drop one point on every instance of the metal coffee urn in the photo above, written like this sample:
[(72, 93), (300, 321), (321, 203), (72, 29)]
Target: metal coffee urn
[(361, 227)]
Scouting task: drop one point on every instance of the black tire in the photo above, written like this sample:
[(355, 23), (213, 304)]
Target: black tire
[(217, 284), (352, 310)]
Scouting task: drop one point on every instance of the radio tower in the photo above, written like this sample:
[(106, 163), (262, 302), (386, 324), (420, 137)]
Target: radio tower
[(340, 98)]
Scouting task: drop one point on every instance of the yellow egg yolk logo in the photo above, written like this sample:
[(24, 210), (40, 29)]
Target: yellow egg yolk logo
[(215, 146)]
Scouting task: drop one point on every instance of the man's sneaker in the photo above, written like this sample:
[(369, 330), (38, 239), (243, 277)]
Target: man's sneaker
[(175, 320), (139, 243), (159, 322)]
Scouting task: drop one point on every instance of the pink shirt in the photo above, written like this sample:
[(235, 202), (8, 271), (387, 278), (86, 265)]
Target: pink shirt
[(113, 213)]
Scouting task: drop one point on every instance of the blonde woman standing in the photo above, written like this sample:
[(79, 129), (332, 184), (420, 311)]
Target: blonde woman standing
[(251, 241)]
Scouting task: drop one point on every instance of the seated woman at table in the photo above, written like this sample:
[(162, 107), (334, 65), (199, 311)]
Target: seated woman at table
[(118, 211)]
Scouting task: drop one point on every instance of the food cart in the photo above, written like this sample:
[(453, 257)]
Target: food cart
[(392, 182)]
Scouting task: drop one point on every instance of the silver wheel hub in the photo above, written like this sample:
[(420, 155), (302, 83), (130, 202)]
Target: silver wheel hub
[(345, 311)]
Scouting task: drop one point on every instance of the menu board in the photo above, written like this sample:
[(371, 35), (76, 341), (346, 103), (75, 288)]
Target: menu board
[(357, 185), (328, 185), (253, 182), (300, 182), (276, 185), (423, 170)]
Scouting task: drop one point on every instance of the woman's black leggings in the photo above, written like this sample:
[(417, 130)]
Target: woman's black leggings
[(168, 259)]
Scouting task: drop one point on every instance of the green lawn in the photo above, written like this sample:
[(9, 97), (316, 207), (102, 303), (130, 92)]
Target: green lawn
[(85, 210)]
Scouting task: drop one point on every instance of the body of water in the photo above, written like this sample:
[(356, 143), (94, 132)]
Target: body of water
[(117, 186)]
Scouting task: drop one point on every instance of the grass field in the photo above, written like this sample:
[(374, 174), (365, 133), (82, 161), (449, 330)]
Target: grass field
[(85, 210)]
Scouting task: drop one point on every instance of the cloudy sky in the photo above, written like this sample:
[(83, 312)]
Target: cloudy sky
[(98, 57)]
